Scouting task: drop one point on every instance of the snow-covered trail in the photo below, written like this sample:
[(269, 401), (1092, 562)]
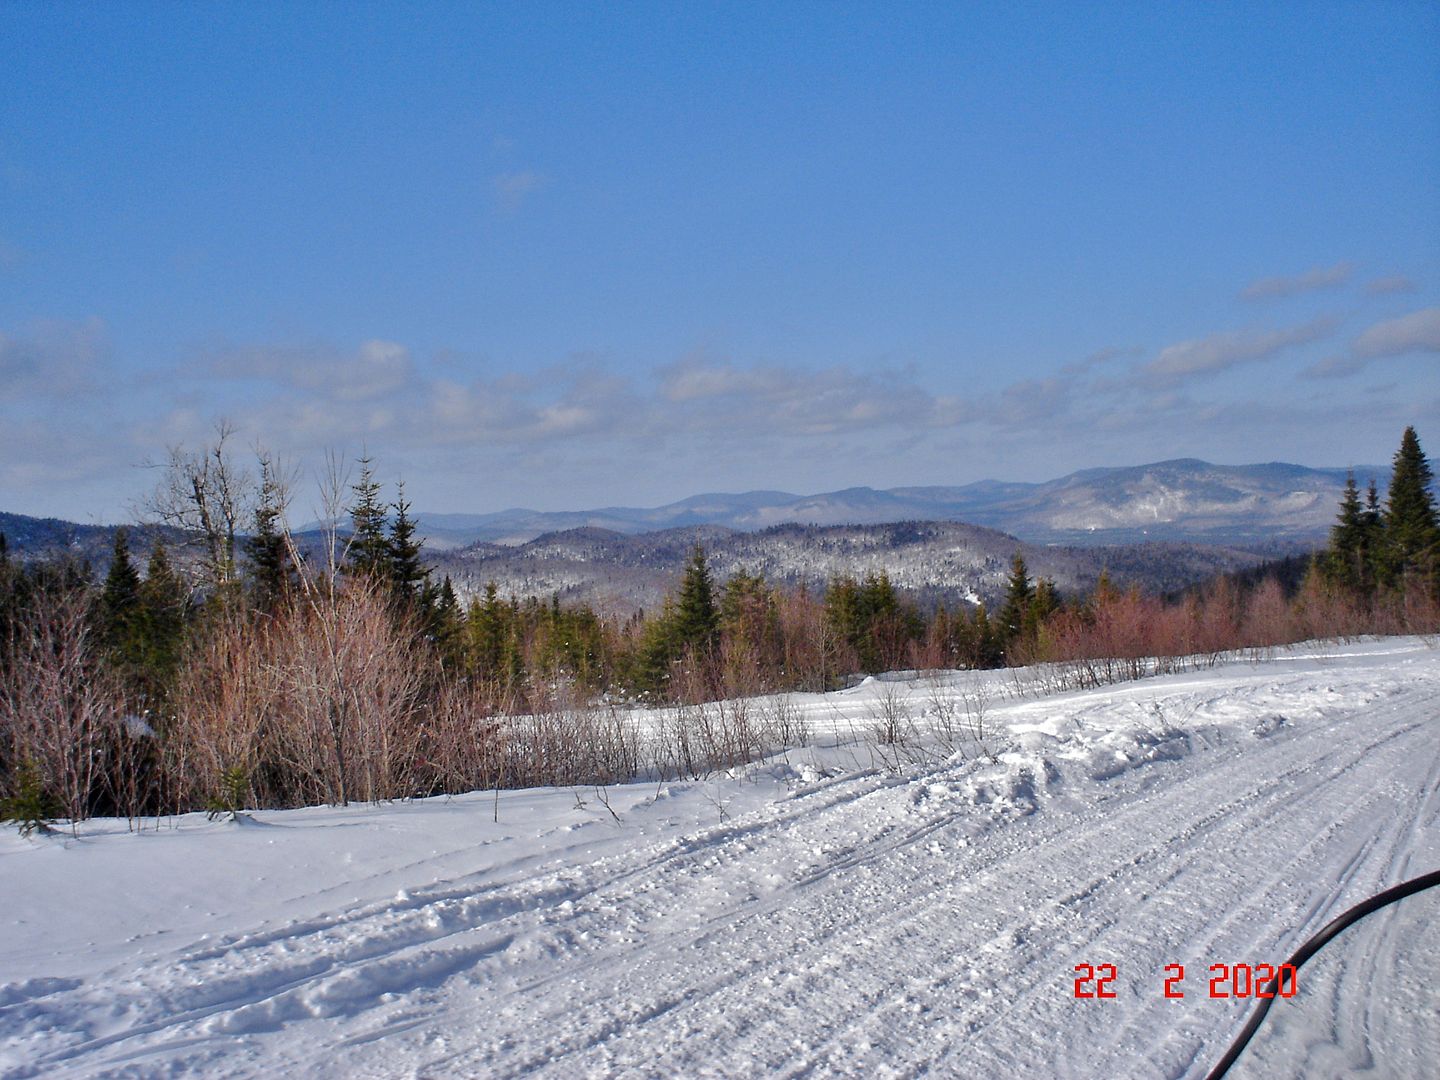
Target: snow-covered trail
[(867, 923)]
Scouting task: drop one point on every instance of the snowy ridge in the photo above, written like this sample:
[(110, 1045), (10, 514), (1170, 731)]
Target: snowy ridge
[(932, 560), (847, 909)]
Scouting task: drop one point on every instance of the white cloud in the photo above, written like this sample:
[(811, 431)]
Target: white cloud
[(704, 395), (375, 369), (1319, 277), (1217, 352), (1417, 332)]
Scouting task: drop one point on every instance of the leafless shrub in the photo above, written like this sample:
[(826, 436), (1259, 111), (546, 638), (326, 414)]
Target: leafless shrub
[(323, 702), (570, 741), (59, 709), (781, 722), (893, 723)]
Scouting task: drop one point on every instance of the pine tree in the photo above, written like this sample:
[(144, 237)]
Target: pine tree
[(845, 618), (750, 623), (272, 572), (121, 593), (1018, 594), (658, 648), (407, 572), (121, 615), (1349, 560), (165, 599), (1043, 604), (696, 622), (369, 549), (486, 633), (32, 806), (985, 644), (448, 627), (884, 623), (512, 656), (1412, 536)]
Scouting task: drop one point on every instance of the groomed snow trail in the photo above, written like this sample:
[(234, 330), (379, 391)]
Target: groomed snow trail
[(812, 921)]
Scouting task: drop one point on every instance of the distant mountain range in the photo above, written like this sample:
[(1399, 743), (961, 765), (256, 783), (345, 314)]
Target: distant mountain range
[(1185, 500), (1162, 526), (947, 561)]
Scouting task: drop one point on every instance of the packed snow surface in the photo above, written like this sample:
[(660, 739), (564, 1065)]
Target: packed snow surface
[(846, 909)]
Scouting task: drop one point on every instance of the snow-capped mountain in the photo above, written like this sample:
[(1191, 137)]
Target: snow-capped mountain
[(1182, 500)]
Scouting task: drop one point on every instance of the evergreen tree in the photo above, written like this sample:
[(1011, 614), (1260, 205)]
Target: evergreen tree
[(1347, 538), (121, 615), (750, 623), (658, 648), (696, 621), (272, 572), (984, 640), (486, 633), (407, 572), (512, 657), (844, 618), (369, 548), (448, 626), (1412, 536), (1043, 604), (886, 624), (166, 600), (1018, 595), (1356, 540)]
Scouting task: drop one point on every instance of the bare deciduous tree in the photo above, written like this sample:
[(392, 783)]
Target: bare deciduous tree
[(205, 493)]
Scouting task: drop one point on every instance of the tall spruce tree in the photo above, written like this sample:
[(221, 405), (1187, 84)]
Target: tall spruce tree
[(696, 620), (844, 614), (121, 615), (1043, 603), (369, 549), (486, 632), (1412, 535), (272, 571), (1348, 560), (166, 600), (127, 629), (447, 626), (1018, 594), (406, 570)]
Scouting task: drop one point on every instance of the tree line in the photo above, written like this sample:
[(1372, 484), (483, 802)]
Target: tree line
[(278, 678)]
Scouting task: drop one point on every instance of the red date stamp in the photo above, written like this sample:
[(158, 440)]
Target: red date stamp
[(1226, 980)]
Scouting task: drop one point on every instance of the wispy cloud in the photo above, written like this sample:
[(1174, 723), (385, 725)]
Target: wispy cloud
[(1319, 277), (1099, 359), (375, 369), (1334, 367), (1390, 285), (55, 359), (1217, 352), (512, 189), (1417, 332), (705, 394)]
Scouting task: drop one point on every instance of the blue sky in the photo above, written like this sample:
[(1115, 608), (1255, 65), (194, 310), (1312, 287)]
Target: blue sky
[(564, 255)]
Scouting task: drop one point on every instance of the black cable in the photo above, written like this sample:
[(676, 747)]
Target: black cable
[(1311, 947)]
